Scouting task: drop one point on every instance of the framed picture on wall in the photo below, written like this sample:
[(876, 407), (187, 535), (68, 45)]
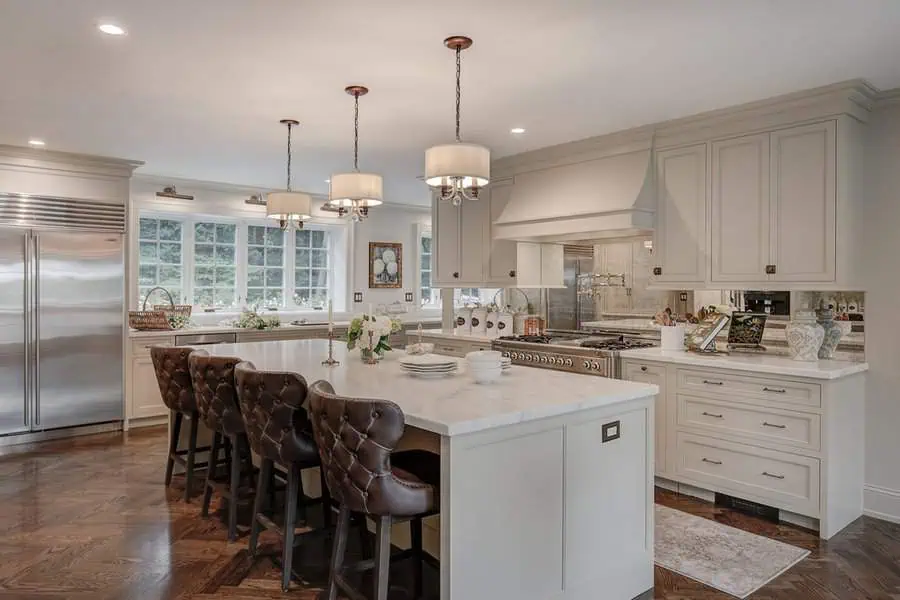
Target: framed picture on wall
[(385, 264)]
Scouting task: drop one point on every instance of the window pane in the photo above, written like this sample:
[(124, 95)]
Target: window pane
[(147, 275), (274, 278), (169, 276), (224, 296), (426, 245), (254, 296), (255, 277), (203, 296), (224, 255), (302, 258), (225, 276), (426, 296), (318, 278), (302, 237), (204, 232), (301, 278), (318, 298), (148, 252), (274, 237), (273, 297), (255, 256), (170, 230), (426, 262), (203, 254), (256, 235), (301, 297), (274, 257), (225, 233), (318, 239), (149, 229), (318, 258), (170, 253), (203, 276), (426, 279)]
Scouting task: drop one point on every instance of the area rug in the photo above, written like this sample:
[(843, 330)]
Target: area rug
[(731, 560)]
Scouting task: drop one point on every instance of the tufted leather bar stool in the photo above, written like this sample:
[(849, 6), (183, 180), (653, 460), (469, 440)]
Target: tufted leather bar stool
[(217, 403), (356, 440), (174, 379), (280, 432)]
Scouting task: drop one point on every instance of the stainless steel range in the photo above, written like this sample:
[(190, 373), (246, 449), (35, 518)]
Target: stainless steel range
[(589, 355)]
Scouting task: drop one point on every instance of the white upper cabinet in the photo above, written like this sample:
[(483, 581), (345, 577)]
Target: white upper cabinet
[(501, 255), (445, 228), (474, 225), (803, 203), (679, 244), (740, 216), (539, 265)]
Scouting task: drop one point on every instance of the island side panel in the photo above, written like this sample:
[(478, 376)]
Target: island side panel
[(522, 516)]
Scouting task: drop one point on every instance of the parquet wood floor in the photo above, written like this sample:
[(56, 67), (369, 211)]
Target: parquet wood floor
[(89, 519)]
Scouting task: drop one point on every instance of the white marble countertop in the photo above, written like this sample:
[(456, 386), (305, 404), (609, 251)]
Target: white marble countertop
[(451, 406), (466, 337), (284, 327), (774, 365)]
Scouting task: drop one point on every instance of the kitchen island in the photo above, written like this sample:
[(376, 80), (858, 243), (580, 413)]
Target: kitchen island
[(546, 477)]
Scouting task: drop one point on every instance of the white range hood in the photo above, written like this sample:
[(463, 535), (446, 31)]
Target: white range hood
[(611, 197)]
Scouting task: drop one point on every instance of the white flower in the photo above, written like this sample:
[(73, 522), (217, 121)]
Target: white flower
[(380, 326)]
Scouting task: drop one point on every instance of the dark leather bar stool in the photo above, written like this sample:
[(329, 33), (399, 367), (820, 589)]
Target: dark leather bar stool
[(280, 432), (217, 403), (174, 379), (356, 440)]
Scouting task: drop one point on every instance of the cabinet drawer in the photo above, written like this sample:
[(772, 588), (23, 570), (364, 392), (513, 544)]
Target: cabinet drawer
[(140, 347), (633, 371), (754, 388), (777, 478), (766, 425)]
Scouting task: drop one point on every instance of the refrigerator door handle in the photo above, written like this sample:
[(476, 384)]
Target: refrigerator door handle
[(36, 326), (29, 339)]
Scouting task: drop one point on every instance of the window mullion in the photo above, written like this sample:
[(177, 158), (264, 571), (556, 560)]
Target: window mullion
[(187, 260), (240, 257), (289, 262)]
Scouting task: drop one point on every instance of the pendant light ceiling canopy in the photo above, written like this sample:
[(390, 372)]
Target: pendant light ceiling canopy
[(289, 207), (354, 193), (457, 171)]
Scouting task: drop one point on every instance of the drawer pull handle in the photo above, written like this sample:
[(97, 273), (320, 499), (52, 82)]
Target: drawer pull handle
[(774, 390), (772, 475), (644, 368), (708, 414), (767, 424), (712, 462), (708, 382)]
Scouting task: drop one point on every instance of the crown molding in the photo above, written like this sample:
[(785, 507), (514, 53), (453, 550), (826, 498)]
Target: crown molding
[(888, 98), (39, 158)]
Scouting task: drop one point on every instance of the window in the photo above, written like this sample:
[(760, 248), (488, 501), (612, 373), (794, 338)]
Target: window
[(265, 266), (429, 297), (311, 268), (215, 264), (160, 257)]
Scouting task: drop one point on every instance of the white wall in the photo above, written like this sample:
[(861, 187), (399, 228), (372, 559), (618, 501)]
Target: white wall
[(882, 249)]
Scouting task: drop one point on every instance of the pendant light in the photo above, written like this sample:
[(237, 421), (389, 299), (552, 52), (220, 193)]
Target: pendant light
[(354, 193), (290, 208), (457, 171)]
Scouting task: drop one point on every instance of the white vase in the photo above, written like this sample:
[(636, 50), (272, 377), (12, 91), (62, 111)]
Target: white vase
[(804, 336)]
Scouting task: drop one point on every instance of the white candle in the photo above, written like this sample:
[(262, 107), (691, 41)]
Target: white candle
[(330, 318)]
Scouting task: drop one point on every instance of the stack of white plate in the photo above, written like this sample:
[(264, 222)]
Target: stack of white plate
[(428, 366), (484, 365), (505, 364)]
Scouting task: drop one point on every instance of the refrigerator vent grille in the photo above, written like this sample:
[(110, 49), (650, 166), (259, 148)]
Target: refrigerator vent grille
[(48, 211)]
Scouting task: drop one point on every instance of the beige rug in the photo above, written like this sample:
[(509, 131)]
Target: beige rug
[(733, 561)]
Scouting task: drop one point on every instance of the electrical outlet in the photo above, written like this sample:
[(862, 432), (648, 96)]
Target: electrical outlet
[(683, 296), (409, 296), (357, 297)]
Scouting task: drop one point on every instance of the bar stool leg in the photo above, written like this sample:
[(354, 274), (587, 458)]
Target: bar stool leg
[(235, 481), (382, 558), (325, 496), (192, 452), (265, 473), (338, 549), (211, 473), (290, 522), (415, 534), (173, 447)]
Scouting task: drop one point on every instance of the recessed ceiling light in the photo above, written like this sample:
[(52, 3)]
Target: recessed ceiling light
[(35, 142), (517, 130), (110, 29)]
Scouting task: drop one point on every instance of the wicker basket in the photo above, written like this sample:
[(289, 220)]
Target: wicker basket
[(157, 319)]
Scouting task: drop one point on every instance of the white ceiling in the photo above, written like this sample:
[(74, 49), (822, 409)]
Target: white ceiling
[(197, 87)]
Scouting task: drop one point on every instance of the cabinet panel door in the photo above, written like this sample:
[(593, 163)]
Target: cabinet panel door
[(445, 233), (146, 401), (680, 242), (552, 266), (528, 261), (740, 209), (656, 375), (474, 226), (803, 203), (501, 255)]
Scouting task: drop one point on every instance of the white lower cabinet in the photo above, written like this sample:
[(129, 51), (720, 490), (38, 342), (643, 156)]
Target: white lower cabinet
[(457, 346), (787, 442), (143, 399)]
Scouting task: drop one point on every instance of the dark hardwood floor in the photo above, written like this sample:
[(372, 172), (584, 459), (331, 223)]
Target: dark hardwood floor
[(89, 519)]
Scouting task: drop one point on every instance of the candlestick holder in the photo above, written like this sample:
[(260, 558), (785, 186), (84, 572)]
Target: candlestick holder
[(371, 360), (330, 361)]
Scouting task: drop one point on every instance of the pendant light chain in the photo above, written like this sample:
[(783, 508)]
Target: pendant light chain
[(289, 126), (356, 132), (458, 89)]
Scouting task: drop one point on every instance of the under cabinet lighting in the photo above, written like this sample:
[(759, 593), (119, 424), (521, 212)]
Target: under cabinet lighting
[(34, 142), (517, 130), (111, 29)]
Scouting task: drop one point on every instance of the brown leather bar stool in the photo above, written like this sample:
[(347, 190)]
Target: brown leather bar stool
[(280, 432), (174, 379), (356, 440), (214, 389)]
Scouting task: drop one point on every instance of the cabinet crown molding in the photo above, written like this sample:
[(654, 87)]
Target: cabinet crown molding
[(30, 158)]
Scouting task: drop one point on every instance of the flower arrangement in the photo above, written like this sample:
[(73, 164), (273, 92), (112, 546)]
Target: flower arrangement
[(381, 327), (250, 319)]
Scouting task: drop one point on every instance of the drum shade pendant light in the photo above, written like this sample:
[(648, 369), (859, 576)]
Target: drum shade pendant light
[(354, 193), (290, 208), (457, 171)]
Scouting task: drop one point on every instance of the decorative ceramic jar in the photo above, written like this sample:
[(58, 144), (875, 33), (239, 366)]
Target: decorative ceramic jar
[(804, 336), (833, 332)]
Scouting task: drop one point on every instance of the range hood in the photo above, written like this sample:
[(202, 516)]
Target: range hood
[(610, 197)]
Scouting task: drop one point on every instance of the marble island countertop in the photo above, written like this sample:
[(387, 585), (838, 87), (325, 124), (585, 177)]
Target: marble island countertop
[(450, 406), (768, 364)]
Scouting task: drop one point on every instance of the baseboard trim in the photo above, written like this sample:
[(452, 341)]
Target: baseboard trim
[(881, 503), (58, 434)]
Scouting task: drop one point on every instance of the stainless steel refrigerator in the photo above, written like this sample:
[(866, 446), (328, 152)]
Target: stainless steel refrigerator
[(61, 313)]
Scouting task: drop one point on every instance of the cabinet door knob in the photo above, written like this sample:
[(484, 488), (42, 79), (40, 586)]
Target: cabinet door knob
[(770, 269), (657, 270), (644, 368), (512, 273), (455, 274)]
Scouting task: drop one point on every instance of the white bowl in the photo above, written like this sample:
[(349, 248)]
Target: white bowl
[(491, 357), (486, 375)]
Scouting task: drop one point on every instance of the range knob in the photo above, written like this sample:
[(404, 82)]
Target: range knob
[(587, 364), (552, 360), (595, 366), (526, 357), (514, 355), (543, 359), (506, 354), (568, 362)]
